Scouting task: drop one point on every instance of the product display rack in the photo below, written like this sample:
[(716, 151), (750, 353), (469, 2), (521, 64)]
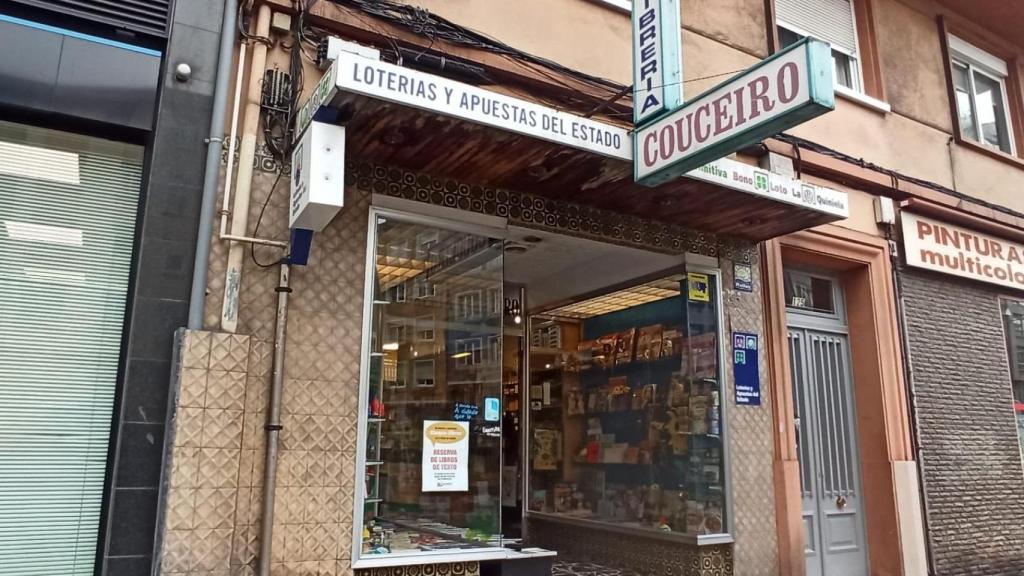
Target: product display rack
[(641, 444)]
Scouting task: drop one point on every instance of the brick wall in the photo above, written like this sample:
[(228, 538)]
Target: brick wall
[(972, 463)]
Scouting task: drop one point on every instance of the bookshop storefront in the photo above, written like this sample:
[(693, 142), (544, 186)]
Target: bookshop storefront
[(557, 374)]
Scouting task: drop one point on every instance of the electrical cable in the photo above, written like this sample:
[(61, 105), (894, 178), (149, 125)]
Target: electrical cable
[(256, 229), (892, 174)]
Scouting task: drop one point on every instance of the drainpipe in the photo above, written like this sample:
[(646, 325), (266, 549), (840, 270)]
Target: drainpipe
[(213, 147), (908, 374), (273, 426), (246, 155)]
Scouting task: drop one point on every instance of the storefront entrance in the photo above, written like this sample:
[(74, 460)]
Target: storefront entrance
[(522, 385), (826, 426)]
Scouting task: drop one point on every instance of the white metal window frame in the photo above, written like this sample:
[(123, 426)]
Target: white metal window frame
[(386, 208), (992, 67)]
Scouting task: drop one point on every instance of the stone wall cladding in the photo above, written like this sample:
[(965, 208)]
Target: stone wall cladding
[(970, 453)]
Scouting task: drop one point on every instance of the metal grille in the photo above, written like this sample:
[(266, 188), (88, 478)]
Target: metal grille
[(800, 411), (145, 16), (834, 412)]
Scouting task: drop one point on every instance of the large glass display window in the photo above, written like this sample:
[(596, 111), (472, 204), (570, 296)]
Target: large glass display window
[(625, 410), (430, 435), (1013, 317)]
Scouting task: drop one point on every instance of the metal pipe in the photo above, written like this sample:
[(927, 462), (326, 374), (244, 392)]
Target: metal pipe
[(915, 421), (273, 426), (197, 299), (250, 240), (226, 204), (246, 155)]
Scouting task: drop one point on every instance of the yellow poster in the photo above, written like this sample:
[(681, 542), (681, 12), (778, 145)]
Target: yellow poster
[(699, 287)]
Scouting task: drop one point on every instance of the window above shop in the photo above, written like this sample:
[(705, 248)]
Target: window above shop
[(837, 22), (980, 91)]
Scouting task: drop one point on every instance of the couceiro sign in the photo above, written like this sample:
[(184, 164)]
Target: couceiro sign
[(780, 92)]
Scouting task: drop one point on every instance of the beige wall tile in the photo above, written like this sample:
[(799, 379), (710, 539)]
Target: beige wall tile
[(243, 547), (184, 467), (192, 387), (218, 468), (177, 551), (316, 470), (222, 428), (291, 466), (257, 389), (242, 571), (279, 550), (188, 427), (254, 435), (211, 550), (345, 539), (215, 507), (181, 507), (196, 349), (226, 390), (261, 355)]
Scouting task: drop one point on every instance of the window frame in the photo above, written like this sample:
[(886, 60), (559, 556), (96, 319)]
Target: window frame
[(1012, 95), (976, 60), (856, 73)]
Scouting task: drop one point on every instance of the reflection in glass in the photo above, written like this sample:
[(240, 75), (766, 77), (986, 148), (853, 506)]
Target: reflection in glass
[(964, 102), (434, 361), (991, 112), (1013, 316)]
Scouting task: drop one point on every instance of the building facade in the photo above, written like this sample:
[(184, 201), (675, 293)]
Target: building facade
[(97, 248), (501, 355), (487, 349)]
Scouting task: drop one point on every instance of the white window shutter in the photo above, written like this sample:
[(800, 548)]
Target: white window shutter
[(829, 20), (67, 226)]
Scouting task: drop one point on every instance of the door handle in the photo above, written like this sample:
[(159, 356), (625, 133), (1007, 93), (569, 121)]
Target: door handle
[(841, 502)]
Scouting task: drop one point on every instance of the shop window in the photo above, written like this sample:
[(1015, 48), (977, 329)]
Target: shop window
[(431, 462), (1013, 317), (979, 89), (831, 20), (625, 424)]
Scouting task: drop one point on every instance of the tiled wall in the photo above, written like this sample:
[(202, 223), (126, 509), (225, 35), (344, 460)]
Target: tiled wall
[(212, 516)]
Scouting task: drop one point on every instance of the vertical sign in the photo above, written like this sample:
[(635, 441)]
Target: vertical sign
[(744, 369), (657, 59), (445, 456)]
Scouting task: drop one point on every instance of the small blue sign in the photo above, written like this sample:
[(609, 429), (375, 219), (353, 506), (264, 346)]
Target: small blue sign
[(743, 277), (492, 409), (465, 412), (744, 369)]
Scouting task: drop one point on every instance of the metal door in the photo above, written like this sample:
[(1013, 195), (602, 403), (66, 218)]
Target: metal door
[(833, 515)]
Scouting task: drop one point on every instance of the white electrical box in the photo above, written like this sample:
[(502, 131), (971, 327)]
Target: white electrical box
[(318, 177), (885, 211), (333, 46)]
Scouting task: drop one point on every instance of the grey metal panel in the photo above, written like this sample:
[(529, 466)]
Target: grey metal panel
[(107, 84), (29, 60), (148, 16)]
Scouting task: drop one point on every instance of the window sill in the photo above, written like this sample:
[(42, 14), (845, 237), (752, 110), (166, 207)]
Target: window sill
[(619, 5), (991, 152), (863, 100)]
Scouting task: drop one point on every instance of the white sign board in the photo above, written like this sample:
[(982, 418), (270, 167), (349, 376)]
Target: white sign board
[(780, 92), (318, 177), (445, 456), (950, 249), (762, 183), (657, 60), (428, 92)]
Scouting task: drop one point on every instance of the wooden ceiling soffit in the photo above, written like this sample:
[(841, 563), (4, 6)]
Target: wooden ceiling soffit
[(426, 142)]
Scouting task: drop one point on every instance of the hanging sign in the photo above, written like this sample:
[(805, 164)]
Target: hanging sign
[(780, 92), (962, 252), (445, 456), (657, 59), (744, 369), (359, 75)]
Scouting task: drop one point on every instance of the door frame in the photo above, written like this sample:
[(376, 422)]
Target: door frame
[(892, 517), (833, 324)]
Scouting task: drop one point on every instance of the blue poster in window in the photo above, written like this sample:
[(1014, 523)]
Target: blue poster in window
[(744, 369)]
